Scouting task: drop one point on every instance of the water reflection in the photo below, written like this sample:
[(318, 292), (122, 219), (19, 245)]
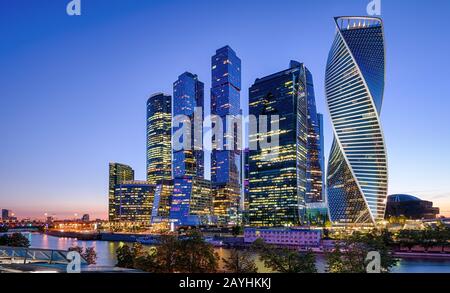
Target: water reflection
[(106, 255)]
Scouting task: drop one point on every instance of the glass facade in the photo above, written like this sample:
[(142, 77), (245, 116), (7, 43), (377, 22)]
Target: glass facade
[(357, 175), (159, 147), (277, 187), (226, 164), (191, 201), (322, 153), (314, 164), (134, 201), (118, 173), (188, 93), (162, 201)]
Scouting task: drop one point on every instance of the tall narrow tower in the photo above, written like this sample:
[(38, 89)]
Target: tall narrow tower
[(188, 94), (357, 178), (159, 146), (225, 163)]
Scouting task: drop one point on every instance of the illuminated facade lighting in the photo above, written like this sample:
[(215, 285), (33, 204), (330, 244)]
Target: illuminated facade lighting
[(357, 177), (226, 164), (188, 94), (118, 173), (277, 187), (159, 145), (134, 201)]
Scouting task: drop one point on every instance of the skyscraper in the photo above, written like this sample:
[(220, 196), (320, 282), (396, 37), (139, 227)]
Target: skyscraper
[(134, 201), (357, 175), (226, 163), (188, 94), (159, 146), (314, 166), (322, 153), (277, 187), (118, 173)]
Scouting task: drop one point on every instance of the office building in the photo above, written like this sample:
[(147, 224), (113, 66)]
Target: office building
[(277, 186), (191, 202), (314, 169), (159, 146), (162, 201), (188, 95), (134, 201), (226, 162), (357, 173), (118, 173)]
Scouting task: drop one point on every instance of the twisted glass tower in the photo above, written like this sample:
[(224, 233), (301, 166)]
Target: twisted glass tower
[(357, 177)]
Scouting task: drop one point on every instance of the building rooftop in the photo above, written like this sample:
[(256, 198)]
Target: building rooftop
[(402, 198)]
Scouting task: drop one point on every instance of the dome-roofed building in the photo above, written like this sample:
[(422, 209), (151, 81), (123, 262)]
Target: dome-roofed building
[(410, 207)]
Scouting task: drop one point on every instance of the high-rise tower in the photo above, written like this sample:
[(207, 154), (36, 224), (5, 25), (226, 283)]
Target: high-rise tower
[(314, 164), (159, 146), (357, 175), (226, 163), (188, 94), (277, 187)]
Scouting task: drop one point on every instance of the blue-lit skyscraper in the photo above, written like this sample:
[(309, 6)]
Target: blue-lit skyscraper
[(188, 94), (357, 175), (191, 201), (277, 187), (226, 164)]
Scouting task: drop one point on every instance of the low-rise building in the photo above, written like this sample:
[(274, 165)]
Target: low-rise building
[(284, 236)]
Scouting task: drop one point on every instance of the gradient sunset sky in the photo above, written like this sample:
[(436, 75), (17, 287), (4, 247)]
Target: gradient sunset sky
[(73, 89)]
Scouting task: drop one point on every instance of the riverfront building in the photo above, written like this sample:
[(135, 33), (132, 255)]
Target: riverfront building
[(118, 173), (191, 202), (226, 162), (286, 237), (134, 201), (162, 201), (410, 207), (354, 84), (277, 185), (159, 147)]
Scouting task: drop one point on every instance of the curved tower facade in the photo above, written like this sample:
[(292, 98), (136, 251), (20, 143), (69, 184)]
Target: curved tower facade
[(357, 175)]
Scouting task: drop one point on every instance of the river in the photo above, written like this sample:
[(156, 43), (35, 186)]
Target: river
[(106, 255)]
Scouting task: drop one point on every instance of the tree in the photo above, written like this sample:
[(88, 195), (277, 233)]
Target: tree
[(89, 254), (14, 240), (124, 257), (191, 255), (240, 263), (237, 230), (350, 253), (167, 254), (285, 260), (195, 255), (3, 229), (148, 262)]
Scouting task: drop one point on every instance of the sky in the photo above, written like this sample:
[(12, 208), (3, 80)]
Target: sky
[(73, 89)]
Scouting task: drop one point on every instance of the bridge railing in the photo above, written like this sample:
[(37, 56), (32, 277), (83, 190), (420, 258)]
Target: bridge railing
[(24, 255)]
